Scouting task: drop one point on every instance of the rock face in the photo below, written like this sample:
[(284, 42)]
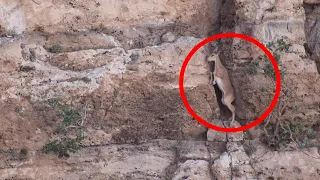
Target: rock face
[(265, 21), (108, 72), (193, 169), (312, 27), (311, 1), (160, 160)]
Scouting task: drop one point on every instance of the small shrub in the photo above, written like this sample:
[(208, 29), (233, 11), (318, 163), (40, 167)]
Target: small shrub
[(275, 47), (289, 132), (282, 45), (269, 71), (56, 48), (54, 103), (65, 144), (270, 45), (263, 90), (69, 115), (62, 147), (253, 68)]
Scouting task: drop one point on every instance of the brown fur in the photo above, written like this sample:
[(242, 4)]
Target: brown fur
[(221, 78)]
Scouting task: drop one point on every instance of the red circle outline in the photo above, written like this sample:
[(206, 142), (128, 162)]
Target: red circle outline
[(230, 35)]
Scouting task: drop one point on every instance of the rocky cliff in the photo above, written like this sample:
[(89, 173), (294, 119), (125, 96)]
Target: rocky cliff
[(90, 90)]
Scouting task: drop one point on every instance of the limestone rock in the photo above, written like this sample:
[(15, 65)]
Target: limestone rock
[(239, 158), (234, 136), (168, 37), (311, 1), (53, 17), (276, 163), (193, 150), (216, 149), (10, 58), (148, 160), (297, 49), (221, 167), (244, 172), (234, 146), (216, 136), (192, 169), (237, 153)]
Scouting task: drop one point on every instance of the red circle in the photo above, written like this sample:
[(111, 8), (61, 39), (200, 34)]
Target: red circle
[(230, 35)]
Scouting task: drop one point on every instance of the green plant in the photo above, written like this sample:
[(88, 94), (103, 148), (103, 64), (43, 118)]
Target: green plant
[(65, 144), (270, 45), (56, 48), (69, 115), (253, 68), (263, 90), (282, 45), (275, 47), (268, 70), (291, 132), (278, 45), (54, 102)]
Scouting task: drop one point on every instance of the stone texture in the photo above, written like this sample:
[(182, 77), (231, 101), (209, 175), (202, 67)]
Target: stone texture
[(236, 136), (192, 169), (216, 136), (118, 87), (311, 1), (244, 172), (96, 138), (216, 149), (238, 154), (119, 63), (10, 58), (312, 26), (110, 162), (221, 167), (275, 164), (52, 17), (268, 21), (168, 37), (193, 150)]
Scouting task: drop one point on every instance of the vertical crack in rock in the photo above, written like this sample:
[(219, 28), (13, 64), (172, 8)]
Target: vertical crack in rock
[(172, 168)]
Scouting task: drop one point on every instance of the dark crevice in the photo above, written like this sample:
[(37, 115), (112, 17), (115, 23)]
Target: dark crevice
[(227, 24), (172, 168), (312, 31)]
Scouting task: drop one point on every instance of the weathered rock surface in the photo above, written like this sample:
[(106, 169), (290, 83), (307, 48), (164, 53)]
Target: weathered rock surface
[(159, 159), (295, 164), (117, 161), (221, 167), (312, 27), (119, 63), (119, 91), (193, 150), (268, 21), (311, 1), (218, 136), (193, 169)]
